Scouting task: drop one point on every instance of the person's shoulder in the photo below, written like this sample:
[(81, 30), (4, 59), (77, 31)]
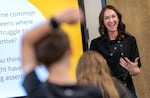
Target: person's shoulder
[(90, 90), (87, 88), (80, 90), (97, 39), (129, 36), (131, 39), (30, 81)]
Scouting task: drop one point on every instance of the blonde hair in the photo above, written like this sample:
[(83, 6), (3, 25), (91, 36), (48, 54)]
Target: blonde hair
[(93, 69)]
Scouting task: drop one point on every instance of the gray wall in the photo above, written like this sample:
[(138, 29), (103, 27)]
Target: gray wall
[(92, 10)]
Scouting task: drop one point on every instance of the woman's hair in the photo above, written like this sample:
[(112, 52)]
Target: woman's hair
[(121, 26), (93, 69), (52, 47)]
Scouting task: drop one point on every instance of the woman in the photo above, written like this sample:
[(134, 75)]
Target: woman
[(47, 44), (93, 69), (117, 46)]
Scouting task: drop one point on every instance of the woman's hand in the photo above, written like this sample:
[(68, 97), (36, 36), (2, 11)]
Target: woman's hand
[(132, 67)]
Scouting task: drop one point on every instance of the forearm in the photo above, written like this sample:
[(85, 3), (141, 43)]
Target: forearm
[(29, 39), (37, 33), (69, 16)]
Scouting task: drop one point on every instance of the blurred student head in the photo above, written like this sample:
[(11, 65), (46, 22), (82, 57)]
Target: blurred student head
[(93, 69), (53, 47)]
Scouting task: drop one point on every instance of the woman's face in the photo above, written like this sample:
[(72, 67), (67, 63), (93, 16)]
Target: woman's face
[(111, 20)]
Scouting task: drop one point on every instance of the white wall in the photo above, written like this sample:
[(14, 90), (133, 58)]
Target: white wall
[(92, 10)]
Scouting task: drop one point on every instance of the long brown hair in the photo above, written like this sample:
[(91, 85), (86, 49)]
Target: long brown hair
[(92, 69), (121, 26)]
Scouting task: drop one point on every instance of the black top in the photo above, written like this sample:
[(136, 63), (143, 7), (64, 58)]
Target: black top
[(36, 89), (114, 49)]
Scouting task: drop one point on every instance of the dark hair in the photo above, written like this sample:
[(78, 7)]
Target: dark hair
[(52, 47), (121, 26)]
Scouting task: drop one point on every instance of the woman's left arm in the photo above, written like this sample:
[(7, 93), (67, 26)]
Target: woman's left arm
[(133, 64), (134, 51)]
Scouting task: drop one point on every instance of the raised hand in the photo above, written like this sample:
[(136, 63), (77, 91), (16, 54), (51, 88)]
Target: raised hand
[(70, 16)]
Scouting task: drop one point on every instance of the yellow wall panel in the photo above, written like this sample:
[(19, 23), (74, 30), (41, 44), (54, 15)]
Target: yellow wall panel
[(51, 7)]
